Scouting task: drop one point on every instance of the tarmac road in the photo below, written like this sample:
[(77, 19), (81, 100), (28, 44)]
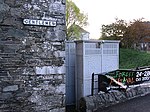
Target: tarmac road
[(140, 104)]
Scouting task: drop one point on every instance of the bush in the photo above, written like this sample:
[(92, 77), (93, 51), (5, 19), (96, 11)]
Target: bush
[(130, 58)]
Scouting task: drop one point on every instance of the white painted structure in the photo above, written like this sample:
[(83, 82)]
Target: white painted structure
[(85, 35), (85, 57)]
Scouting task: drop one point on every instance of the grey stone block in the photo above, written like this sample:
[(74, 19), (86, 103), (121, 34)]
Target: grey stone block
[(6, 96), (4, 7), (10, 2), (18, 33), (2, 1), (10, 88)]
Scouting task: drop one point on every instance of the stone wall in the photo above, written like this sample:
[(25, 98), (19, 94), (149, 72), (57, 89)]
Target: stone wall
[(99, 101), (32, 74)]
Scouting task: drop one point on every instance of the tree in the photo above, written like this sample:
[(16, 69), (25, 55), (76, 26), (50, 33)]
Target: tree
[(74, 18), (115, 30), (130, 34), (136, 31)]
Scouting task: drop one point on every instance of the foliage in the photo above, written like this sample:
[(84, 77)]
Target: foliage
[(130, 58), (74, 18), (115, 30), (137, 30), (130, 34)]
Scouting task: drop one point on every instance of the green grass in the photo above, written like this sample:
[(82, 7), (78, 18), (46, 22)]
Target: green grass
[(130, 58)]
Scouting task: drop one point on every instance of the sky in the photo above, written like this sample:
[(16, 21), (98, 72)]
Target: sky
[(105, 11)]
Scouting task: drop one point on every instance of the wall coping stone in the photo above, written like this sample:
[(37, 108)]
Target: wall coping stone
[(101, 100)]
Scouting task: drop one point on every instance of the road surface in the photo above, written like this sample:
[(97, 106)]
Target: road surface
[(140, 104)]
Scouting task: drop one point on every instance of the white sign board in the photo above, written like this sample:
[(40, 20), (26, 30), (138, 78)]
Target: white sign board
[(39, 22)]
